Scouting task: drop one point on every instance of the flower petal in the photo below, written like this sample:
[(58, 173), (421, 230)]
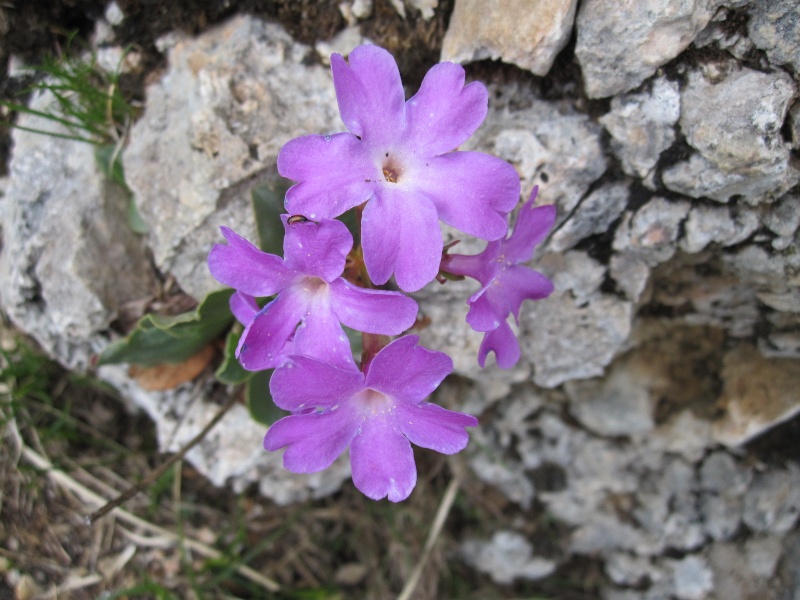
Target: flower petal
[(433, 427), (334, 172), (242, 266), (400, 233), (317, 249), (406, 371), (262, 343), (486, 311), (503, 343), (243, 307), (313, 441), (483, 267), (321, 336), (382, 461), (370, 94), (472, 192), (533, 225), (444, 113), (515, 284), (304, 382), (372, 311)]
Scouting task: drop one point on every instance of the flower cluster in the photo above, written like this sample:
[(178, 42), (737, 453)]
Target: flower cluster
[(399, 168)]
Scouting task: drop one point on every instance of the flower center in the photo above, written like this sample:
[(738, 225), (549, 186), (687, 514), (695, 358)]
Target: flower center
[(392, 169)]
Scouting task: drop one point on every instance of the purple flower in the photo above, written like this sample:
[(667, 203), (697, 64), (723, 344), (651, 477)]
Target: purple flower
[(504, 282), (312, 300), (397, 158), (377, 413)]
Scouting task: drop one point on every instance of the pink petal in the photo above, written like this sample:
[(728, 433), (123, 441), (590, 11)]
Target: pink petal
[(313, 441), (483, 267), (382, 461), (262, 343), (334, 172), (400, 233), (486, 312), (503, 343), (370, 94), (242, 266), (444, 113), (472, 192), (304, 382), (431, 426), (316, 248), (515, 284), (372, 311), (321, 336), (533, 225), (406, 371), (243, 307)]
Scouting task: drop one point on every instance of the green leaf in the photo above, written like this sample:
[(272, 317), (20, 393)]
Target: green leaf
[(135, 220), (231, 372), (108, 159), (158, 339), (259, 400), (268, 208)]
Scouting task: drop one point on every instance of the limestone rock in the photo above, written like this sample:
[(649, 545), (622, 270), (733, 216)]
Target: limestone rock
[(70, 261), (650, 233), (565, 338), (642, 126), (594, 215), (622, 44), (775, 28), (734, 124), (241, 90), (507, 556), (692, 577), (528, 33), (758, 394), (709, 224), (772, 504)]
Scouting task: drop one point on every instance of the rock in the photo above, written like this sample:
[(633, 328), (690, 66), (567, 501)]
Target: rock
[(555, 148), (783, 219), (619, 46), (758, 394), (721, 515), (720, 473), (575, 271), (775, 28), (710, 224), (692, 577), (342, 43), (242, 90), (624, 569), (741, 150), (623, 402), (650, 233), (642, 126), (630, 273), (565, 338), (507, 557), (684, 434), (425, 7), (733, 577), (594, 215), (763, 554), (527, 34), (66, 242), (772, 504)]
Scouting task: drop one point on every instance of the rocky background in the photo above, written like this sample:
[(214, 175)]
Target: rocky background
[(651, 425)]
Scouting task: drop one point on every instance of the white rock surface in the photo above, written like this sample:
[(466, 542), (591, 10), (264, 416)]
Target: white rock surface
[(622, 44), (507, 556), (529, 34), (775, 28)]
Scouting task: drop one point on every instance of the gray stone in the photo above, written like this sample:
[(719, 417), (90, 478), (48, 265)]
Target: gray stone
[(565, 338), (555, 148), (720, 225), (527, 33), (775, 28), (621, 45), (650, 233), (772, 504), (783, 218), (642, 126), (734, 120), (625, 569), (692, 577), (623, 402), (595, 214), (575, 271), (763, 554), (631, 274), (721, 514), (67, 244), (719, 473), (242, 90), (508, 556)]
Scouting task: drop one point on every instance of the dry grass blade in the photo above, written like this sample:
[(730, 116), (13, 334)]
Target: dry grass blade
[(438, 522), (62, 479)]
